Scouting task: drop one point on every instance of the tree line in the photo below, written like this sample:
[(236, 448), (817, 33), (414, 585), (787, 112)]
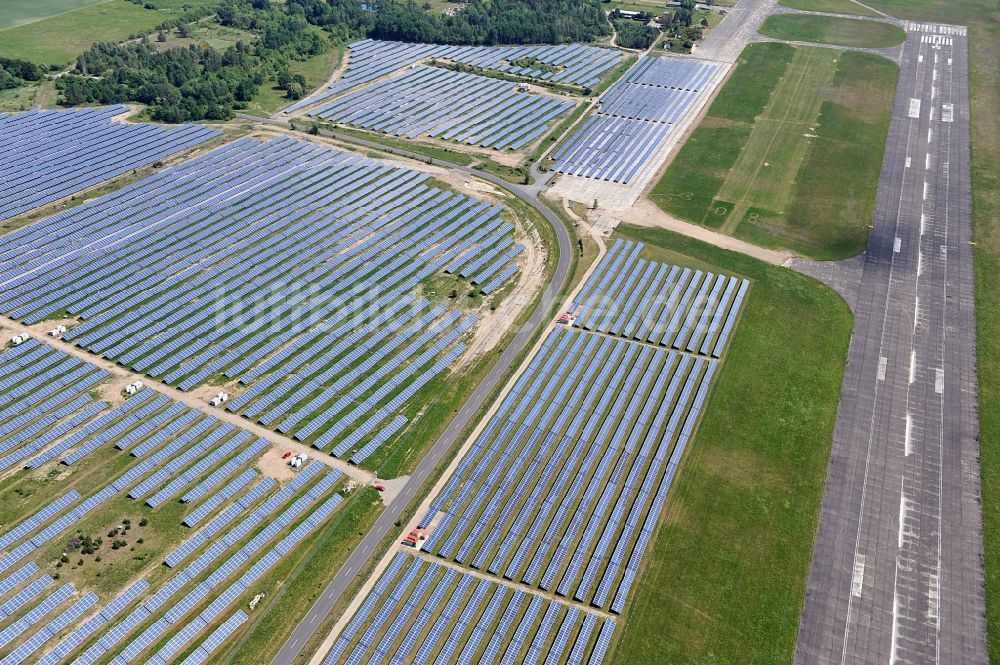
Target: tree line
[(197, 82), (480, 22)]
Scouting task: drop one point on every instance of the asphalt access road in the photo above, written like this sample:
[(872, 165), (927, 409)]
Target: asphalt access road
[(386, 522), (897, 570)]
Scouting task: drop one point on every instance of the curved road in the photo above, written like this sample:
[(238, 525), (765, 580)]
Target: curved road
[(387, 520)]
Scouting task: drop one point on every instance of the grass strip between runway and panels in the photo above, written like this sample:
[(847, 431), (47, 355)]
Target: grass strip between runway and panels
[(726, 576), (834, 30), (790, 151)]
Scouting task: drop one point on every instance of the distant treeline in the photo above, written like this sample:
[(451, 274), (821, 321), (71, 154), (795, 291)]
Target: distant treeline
[(478, 22), (197, 82)]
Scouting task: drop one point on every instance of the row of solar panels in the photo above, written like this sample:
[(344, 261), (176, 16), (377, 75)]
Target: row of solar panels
[(299, 492), (634, 116), (561, 491), (296, 510), (369, 59), (689, 310), (431, 613), (275, 252), (555, 470), (454, 106), (33, 606), (49, 155)]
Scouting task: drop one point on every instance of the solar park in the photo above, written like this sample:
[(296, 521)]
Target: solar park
[(303, 279), (536, 540), (634, 116), (288, 269), (49, 155), (150, 453), (449, 105), (570, 64)]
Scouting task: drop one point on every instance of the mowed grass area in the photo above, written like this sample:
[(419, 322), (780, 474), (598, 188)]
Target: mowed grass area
[(59, 39), (790, 151), (832, 30), (19, 12), (983, 19), (830, 6), (727, 575)]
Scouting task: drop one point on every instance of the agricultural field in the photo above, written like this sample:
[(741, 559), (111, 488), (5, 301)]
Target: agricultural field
[(18, 12), (58, 39), (829, 6), (726, 578), (135, 524), (790, 151), (832, 30), (563, 490)]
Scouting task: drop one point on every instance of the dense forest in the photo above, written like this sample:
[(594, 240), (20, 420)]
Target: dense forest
[(479, 21), (197, 82), (14, 73)]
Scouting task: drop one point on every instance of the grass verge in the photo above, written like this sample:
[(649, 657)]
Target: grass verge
[(832, 30), (307, 577), (727, 576), (830, 6)]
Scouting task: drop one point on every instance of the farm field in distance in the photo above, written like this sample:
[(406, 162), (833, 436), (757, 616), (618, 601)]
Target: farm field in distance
[(727, 574), (790, 151), (832, 30), (18, 12), (829, 6), (58, 39)]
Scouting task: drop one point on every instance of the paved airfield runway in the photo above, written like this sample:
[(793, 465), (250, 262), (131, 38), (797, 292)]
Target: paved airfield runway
[(897, 569)]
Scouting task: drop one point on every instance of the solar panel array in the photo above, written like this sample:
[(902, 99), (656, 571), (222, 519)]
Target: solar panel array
[(572, 64), (450, 105), (422, 612), (235, 562), (562, 491), (633, 118), (683, 308), (279, 263), (33, 613), (49, 155), (227, 568), (44, 394)]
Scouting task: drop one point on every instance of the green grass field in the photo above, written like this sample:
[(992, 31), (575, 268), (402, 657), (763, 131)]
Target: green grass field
[(726, 578), (830, 6), (57, 40), (832, 30), (19, 12), (790, 151)]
